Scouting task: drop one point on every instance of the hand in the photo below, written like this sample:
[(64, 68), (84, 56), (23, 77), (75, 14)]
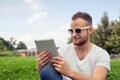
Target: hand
[(61, 65), (42, 59)]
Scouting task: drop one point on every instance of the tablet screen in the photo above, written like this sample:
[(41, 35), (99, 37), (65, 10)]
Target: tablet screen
[(47, 44)]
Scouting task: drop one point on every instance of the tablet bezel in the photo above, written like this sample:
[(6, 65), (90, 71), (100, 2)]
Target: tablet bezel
[(47, 44)]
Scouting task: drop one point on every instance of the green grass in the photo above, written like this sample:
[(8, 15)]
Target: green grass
[(24, 68), (18, 68), (115, 69)]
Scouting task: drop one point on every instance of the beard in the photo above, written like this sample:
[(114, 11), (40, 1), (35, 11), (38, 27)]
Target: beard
[(81, 41)]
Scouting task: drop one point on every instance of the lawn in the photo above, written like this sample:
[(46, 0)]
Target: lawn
[(18, 68), (115, 69), (24, 68)]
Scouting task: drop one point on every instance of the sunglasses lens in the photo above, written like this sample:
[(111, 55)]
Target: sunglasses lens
[(78, 30), (70, 31)]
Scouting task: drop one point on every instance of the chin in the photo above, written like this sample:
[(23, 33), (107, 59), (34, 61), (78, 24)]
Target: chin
[(79, 43), (75, 43)]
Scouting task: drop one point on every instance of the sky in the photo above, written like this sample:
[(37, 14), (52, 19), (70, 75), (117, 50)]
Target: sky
[(30, 20)]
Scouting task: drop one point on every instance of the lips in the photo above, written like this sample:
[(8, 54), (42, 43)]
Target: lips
[(76, 39)]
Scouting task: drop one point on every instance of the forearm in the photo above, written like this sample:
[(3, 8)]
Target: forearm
[(99, 73), (74, 75)]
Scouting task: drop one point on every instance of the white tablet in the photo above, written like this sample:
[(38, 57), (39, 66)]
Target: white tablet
[(47, 44)]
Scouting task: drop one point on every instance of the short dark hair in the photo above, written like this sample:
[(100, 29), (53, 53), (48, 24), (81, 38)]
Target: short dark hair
[(84, 16)]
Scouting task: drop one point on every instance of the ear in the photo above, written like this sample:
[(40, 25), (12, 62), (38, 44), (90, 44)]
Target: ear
[(90, 30)]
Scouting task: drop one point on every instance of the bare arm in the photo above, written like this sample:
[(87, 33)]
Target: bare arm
[(99, 73), (62, 66)]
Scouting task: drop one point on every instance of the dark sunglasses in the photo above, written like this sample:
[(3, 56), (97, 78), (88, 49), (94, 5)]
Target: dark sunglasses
[(78, 30)]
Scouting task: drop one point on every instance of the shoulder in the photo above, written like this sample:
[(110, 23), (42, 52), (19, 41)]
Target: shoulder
[(102, 57), (99, 50), (100, 54)]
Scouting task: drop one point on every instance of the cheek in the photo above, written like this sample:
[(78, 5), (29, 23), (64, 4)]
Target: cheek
[(85, 35)]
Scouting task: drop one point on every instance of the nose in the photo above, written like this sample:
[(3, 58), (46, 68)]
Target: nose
[(74, 34)]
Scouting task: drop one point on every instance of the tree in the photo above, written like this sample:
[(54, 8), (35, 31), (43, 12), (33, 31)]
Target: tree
[(114, 41), (16, 45), (107, 35), (5, 44), (1, 45), (21, 45), (103, 33), (11, 44)]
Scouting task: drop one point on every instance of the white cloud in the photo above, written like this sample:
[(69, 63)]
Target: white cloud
[(30, 5), (36, 17), (36, 7)]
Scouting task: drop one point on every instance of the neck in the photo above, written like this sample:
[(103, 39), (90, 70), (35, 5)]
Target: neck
[(83, 50)]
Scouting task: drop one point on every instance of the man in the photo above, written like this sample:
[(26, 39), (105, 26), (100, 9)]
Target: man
[(81, 60)]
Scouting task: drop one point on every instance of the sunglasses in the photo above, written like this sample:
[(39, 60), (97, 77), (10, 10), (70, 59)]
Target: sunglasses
[(78, 30)]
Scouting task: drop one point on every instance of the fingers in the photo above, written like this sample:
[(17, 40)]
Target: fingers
[(58, 65), (43, 58), (42, 63), (57, 59), (61, 65), (43, 54)]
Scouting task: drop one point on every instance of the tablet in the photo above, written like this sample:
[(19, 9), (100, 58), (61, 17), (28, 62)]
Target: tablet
[(47, 44)]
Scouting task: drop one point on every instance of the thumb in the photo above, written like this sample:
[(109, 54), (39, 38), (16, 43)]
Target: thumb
[(37, 52)]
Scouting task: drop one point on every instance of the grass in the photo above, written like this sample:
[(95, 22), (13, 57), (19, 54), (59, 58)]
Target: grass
[(115, 69), (18, 68), (24, 68)]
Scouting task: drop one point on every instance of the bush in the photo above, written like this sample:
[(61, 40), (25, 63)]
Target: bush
[(9, 53)]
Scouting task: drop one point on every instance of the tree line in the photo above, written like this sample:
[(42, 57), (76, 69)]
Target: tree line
[(106, 35), (10, 45)]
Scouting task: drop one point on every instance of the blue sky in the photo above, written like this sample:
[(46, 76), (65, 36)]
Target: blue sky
[(27, 20)]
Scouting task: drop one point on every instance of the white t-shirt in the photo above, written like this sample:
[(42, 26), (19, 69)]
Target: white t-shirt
[(96, 56)]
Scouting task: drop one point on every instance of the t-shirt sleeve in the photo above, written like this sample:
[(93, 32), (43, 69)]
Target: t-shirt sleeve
[(103, 59)]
